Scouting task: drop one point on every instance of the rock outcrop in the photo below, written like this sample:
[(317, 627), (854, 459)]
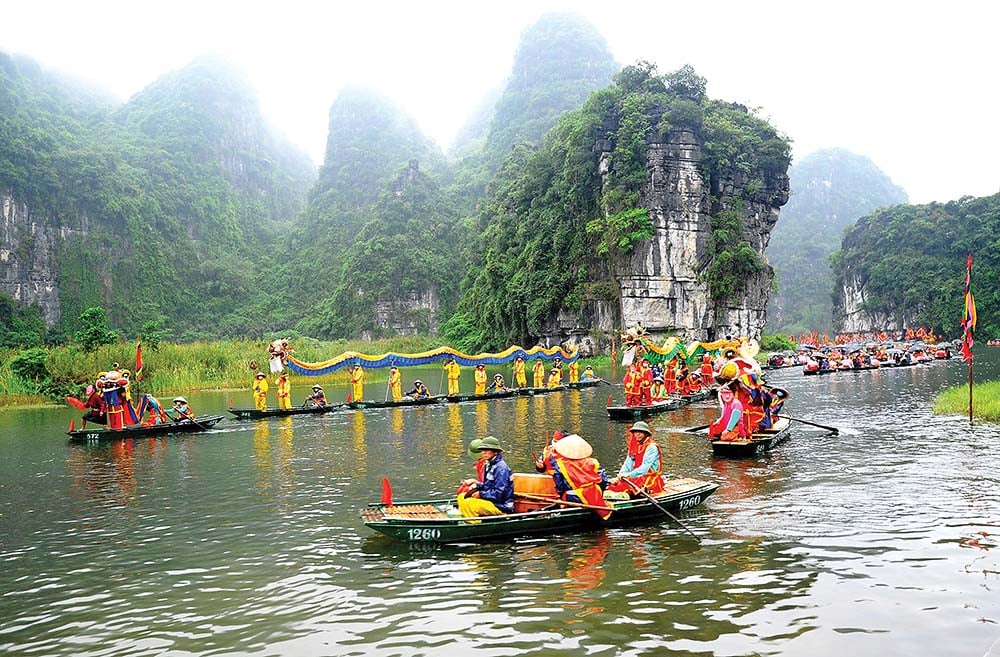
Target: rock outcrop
[(663, 283), (28, 252)]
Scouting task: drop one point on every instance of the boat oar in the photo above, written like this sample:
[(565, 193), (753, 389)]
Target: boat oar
[(834, 431), (185, 416), (649, 497), (697, 429), (556, 500)]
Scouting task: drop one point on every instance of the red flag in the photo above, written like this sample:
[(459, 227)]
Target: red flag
[(386, 492), (969, 317), (138, 358)]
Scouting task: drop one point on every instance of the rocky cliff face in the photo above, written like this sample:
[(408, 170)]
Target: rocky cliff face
[(28, 247), (850, 314), (662, 284)]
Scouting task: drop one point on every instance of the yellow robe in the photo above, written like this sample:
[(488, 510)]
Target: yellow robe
[(260, 394), (574, 372), (284, 393), (481, 380), (357, 384), (395, 385), (539, 374), (519, 378), (555, 379), (453, 374)]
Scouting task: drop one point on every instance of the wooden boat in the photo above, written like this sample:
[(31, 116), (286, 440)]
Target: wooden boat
[(585, 384), (629, 413), (143, 431), (254, 414), (405, 401), (438, 521), (760, 442)]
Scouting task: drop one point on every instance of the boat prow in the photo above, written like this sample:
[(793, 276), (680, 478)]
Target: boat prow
[(761, 442)]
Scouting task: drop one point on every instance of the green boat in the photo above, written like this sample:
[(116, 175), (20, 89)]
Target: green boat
[(438, 521), (254, 414), (761, 442), (405, 401), (630, 413), (576, 385), (143, 431)]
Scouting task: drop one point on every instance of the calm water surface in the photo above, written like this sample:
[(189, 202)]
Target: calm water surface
[(246, 540)]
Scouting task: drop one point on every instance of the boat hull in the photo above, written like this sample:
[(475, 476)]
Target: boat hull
[(761, 443), (254, 414), (141, 431), (429, 522), (629, 413)]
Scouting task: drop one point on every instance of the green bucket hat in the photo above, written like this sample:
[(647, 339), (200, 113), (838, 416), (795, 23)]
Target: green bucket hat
[(489, 442), (641, 426), (474, 446)]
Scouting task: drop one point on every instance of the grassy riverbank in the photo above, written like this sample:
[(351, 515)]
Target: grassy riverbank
[(985, 401), (178, 368)]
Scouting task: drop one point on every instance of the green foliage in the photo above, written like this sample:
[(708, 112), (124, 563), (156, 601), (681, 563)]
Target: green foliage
[(93, 329), (30, 364), (830, 190), (618, 234), (734, 260), (20, 326), (910, 260), (955, 401), (770, 343)]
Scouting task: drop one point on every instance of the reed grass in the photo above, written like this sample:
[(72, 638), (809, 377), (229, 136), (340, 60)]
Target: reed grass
[(985, 401)]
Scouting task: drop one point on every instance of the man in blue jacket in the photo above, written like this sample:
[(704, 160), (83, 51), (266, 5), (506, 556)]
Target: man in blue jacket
[(494, 495)]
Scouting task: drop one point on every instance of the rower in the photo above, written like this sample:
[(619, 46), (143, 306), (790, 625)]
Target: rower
[(642, 465), (419, 391)]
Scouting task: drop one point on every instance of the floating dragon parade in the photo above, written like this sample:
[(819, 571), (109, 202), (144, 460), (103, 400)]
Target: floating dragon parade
[(351, 358), (673, 348)]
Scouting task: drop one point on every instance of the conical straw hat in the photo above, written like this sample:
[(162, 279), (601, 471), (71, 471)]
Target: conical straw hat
[(573, 447)]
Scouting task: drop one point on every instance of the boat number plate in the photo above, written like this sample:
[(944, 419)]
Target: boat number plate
[(93, 437), (424, 534), (690, 502)]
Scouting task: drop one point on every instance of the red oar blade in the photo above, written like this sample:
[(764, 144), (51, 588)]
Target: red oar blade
[(386, 492)]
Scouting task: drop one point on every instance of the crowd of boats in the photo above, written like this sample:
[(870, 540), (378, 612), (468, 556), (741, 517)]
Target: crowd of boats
[(751, 423)]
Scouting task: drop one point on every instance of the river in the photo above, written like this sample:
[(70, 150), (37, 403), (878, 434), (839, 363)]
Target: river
[(246, 540)]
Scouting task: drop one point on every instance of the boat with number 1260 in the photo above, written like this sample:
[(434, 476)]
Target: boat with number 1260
[(438, 521)]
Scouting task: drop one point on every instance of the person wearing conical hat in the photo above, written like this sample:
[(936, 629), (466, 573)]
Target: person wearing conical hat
[(493, 494), (538, 373), (578, 476), (357, 382), (520, 380), (318, 397), (643, 466), (589, 375), (395, 383), (284, 390), (182, 409), (419, 390), (658, 391), (498, 384), (260, 391), (542, 464)]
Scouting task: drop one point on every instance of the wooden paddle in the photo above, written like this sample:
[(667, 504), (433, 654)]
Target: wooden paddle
[(697, 429), (834, 431), (649, 497), (185, 416), (555, 500)]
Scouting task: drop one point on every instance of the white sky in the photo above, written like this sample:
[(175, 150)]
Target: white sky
[(912, 85)]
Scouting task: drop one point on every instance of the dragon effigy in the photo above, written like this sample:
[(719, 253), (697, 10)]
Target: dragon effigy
[(390, 359)]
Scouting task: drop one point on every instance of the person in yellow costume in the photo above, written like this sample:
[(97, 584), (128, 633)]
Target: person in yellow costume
[(284, 391), (451, 367), (357, 383), (520, 380), (538, 373), (481, 379), (260, 391), (395, 383), (574, 372), (555, 378)]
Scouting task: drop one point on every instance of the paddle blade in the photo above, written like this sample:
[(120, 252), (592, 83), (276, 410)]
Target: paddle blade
[(349, 400), (72, 425), (609, 400), (76, 403), (386, 492)]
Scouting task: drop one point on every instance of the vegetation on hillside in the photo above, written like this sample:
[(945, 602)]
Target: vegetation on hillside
[(831, 189), (911, 260)]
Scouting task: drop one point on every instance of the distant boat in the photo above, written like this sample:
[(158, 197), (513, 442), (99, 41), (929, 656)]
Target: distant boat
[(143, 431)]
